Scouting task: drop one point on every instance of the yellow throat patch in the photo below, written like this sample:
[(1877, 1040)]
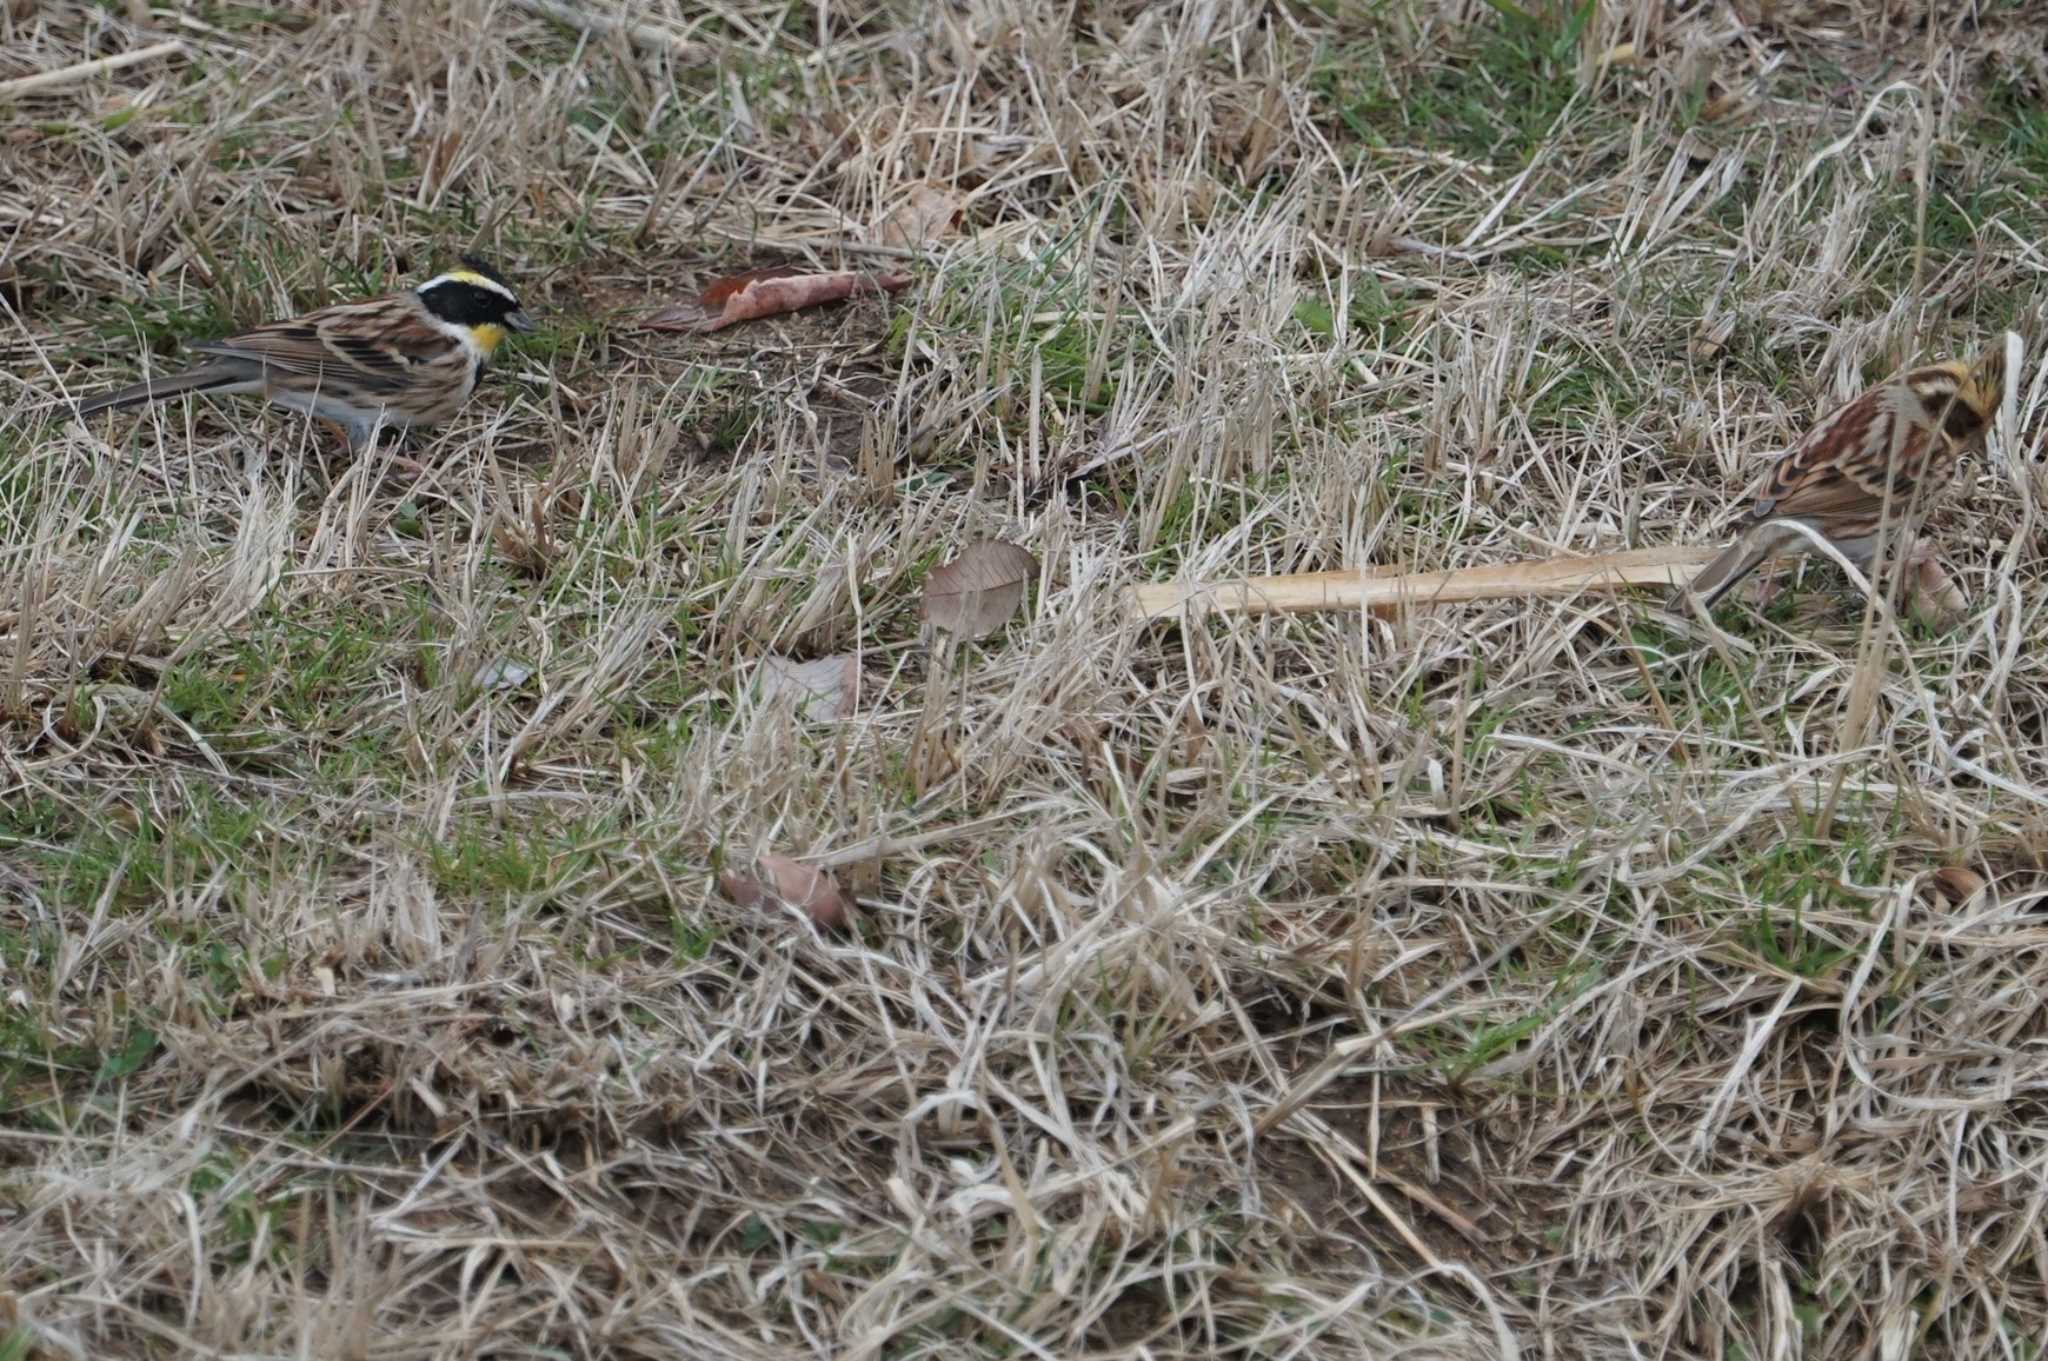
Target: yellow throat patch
[(489, 335)]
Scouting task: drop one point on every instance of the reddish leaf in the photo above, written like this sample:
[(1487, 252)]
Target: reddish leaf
[(714, 296), (976, 593), (780, 879), (767, 293)]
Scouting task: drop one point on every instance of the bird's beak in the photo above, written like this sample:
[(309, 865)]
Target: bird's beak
[(519, 321)]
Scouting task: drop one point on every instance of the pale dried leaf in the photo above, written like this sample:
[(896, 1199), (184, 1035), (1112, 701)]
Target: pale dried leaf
[(822, 688), (976, 593), (122, 708), (503, 673), (927, 214)]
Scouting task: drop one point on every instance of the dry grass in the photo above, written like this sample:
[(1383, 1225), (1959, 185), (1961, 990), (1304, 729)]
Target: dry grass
[(1553, 978)]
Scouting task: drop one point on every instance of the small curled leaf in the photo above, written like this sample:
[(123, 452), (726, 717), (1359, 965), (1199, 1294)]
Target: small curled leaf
[(781, 879), (766, 293)]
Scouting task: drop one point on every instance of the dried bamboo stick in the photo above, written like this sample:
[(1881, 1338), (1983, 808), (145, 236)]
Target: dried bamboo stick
[(653, 37), (1310, 592), (42, 80)]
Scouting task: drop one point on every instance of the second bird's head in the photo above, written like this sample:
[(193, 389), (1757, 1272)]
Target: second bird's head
[(476, 296), (1960, 396)]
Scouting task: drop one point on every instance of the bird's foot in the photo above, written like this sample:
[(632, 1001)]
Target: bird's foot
[(1767, 589), (1931, 595)]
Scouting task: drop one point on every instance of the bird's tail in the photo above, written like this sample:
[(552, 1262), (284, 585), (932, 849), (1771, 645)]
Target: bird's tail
[(205, 378), (1739, 559)]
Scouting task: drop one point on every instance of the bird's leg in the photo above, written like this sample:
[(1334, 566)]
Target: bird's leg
[(1768, 585), (388, 440), (1914, 562), (399, 460), (342, 436)]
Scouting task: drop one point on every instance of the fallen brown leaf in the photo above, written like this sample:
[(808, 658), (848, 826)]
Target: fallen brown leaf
[(976, 593), (780, 879), (1721, 103), (766, 293), (718, 290), (1956, 885)]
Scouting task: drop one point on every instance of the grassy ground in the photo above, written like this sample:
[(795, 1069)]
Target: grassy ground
[(1538, 979)]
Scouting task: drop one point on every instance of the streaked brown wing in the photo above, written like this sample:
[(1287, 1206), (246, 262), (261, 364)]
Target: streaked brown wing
[(1826, 493), (387, 348), (1841, 468), (291, 346), (355, 339), (407, 338)]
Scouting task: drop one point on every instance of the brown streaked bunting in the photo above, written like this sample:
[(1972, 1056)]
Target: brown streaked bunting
[(407, 359), (1869, 466)]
